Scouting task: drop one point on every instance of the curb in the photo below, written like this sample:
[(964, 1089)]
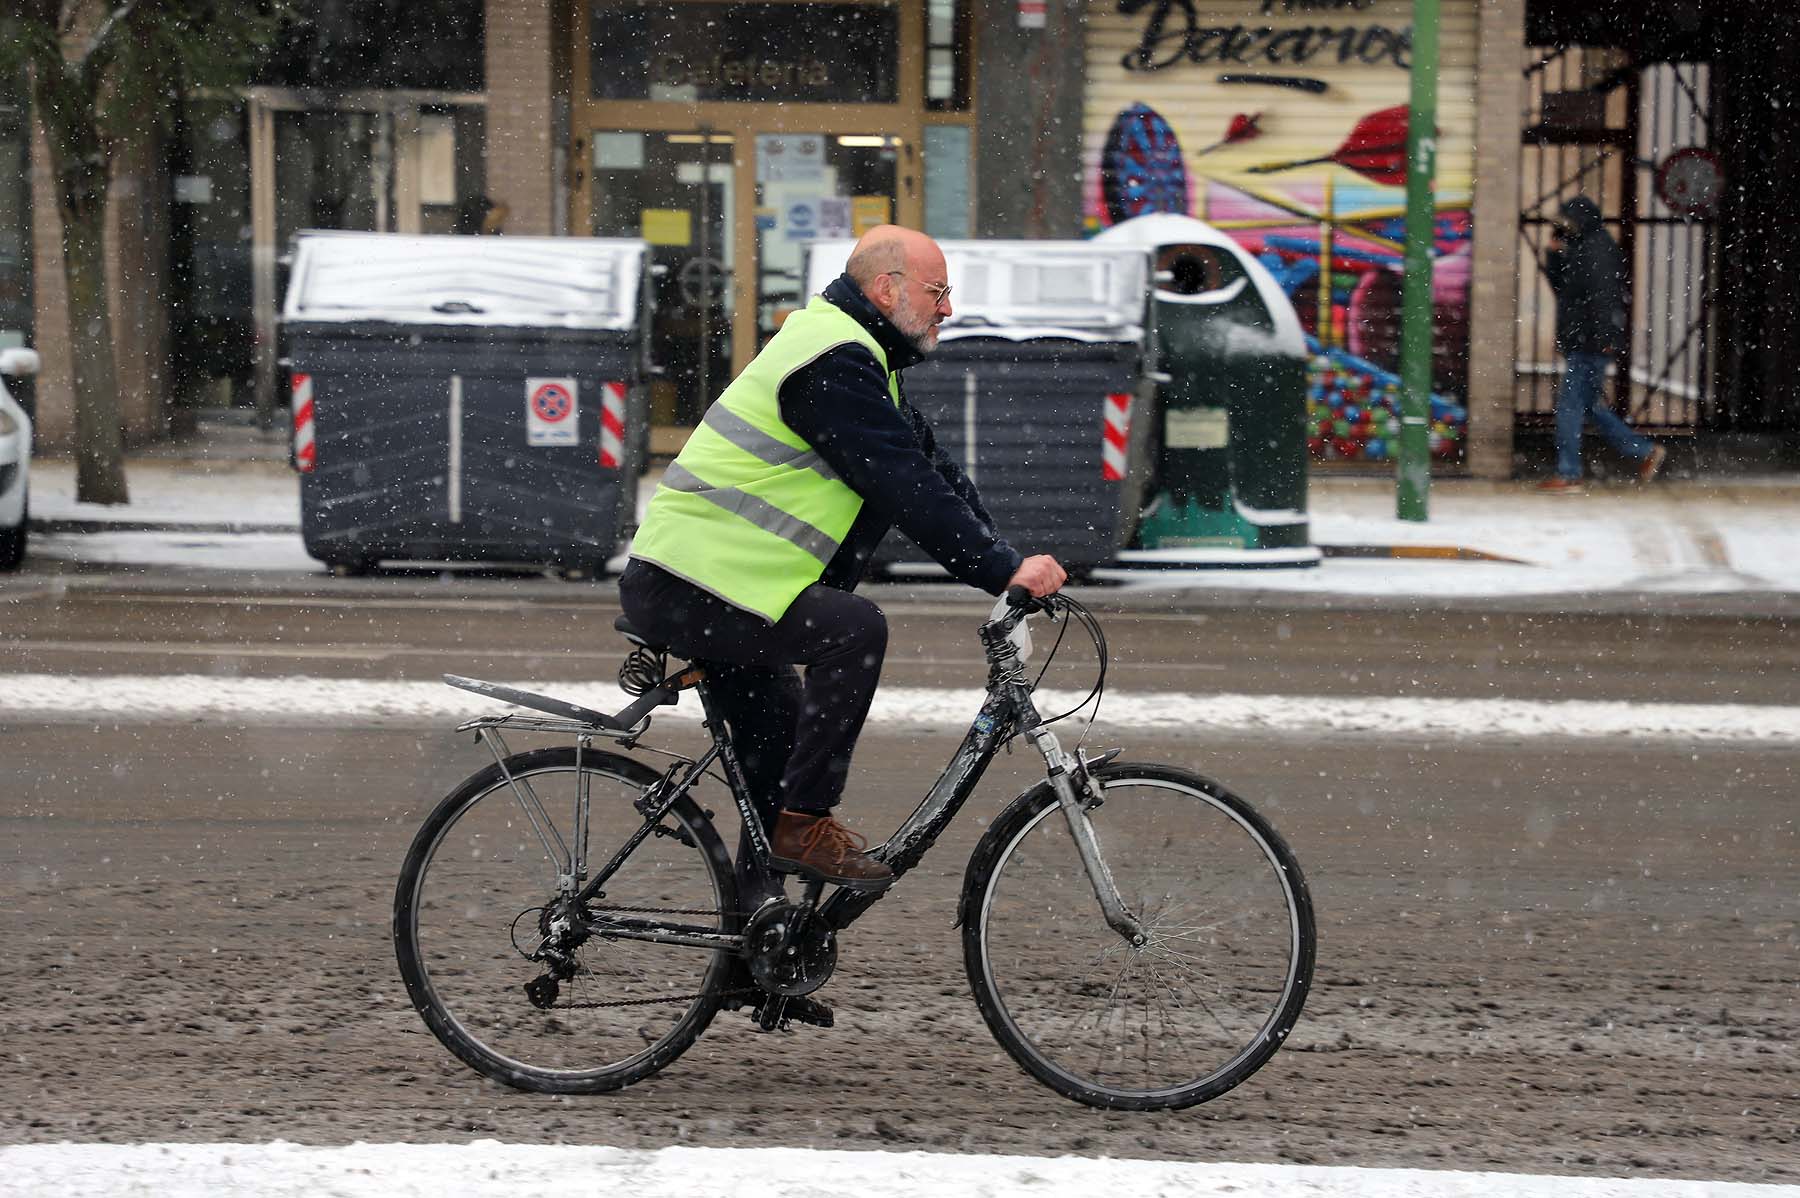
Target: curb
[(72, 524), (77, 525)]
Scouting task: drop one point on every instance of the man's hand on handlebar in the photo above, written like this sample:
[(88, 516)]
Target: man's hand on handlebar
[(1040, 575)]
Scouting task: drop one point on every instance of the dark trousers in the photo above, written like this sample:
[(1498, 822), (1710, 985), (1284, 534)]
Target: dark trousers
[(793, 740)]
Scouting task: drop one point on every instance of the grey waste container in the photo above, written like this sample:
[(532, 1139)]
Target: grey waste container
[(466, 398), (1031, 387), (1230, 404)]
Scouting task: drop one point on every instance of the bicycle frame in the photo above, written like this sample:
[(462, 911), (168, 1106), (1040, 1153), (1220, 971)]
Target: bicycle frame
[(1007, 708)]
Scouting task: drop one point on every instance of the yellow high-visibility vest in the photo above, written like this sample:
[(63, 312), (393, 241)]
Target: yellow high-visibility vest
[(748, 510)]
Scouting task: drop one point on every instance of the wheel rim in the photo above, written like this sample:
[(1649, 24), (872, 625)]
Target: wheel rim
[(485, 878), (1186, 1015)]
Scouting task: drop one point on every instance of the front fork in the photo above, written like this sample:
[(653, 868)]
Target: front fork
[(1077, 792)]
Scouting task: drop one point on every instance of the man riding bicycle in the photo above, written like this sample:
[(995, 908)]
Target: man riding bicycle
[(764, 523)]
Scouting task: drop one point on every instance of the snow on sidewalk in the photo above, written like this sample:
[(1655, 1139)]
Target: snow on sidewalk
[(487, 1169), (1678, 537)]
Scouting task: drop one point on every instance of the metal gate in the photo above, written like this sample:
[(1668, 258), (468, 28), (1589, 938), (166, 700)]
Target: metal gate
[(1602, 126)]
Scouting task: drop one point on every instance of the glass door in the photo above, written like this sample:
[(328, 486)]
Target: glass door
[(675, 190), (814, 186)]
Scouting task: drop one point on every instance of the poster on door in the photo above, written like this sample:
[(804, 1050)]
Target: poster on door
[(834, 217), (552, 416), (790, 158), (800, 219)]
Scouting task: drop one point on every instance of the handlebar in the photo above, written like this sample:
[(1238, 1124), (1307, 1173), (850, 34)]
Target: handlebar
[(1021, 599)]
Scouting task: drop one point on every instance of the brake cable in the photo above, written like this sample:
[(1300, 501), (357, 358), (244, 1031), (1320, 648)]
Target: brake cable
[(1073, 609)]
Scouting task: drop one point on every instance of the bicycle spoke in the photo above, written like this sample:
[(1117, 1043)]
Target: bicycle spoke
[(1177, 1017), (622, 998)]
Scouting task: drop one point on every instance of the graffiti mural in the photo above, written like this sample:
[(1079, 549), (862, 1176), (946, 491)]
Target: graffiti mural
[(1283, 124)]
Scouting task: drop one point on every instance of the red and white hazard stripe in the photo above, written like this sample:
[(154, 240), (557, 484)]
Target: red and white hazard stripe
[(1113, 437), (306, 454), (612, 424)]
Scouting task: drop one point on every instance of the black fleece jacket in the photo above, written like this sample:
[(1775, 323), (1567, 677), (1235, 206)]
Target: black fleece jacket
[(1588, 277), (839, 403)]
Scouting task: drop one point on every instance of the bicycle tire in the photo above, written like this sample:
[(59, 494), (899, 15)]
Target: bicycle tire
[(1026, 899), (477, 861)]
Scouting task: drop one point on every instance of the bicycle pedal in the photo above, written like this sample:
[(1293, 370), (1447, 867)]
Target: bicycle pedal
[(808, 1010), (792, 1010)]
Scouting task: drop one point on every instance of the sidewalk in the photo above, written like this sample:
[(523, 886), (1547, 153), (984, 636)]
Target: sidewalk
[(229, 499)]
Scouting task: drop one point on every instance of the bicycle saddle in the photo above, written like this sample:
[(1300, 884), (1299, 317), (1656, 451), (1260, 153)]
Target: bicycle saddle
[(629, 631)]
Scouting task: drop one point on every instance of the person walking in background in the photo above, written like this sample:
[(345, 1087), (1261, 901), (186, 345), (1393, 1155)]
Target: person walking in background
[(1587, 273)]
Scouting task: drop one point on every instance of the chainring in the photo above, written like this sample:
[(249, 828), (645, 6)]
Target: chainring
[(789, 950)]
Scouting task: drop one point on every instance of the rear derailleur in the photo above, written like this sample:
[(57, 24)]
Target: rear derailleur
[(563, 933)]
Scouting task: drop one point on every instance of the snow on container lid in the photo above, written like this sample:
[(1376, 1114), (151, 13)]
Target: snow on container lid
[(1026, 290), (526, 282)]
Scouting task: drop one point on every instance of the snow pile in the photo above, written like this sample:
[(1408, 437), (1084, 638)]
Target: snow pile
[(486, 1169), (216, 698)]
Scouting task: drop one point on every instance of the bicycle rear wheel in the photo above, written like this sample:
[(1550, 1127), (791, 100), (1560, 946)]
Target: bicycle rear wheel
[(1201, 1004), (469, 911)]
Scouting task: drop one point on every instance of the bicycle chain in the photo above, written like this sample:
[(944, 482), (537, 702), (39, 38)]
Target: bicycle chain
[(647, 1002), (666, 910)]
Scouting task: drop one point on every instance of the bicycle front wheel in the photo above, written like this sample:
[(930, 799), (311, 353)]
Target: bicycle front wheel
[(469, 913), (1201, 1003)]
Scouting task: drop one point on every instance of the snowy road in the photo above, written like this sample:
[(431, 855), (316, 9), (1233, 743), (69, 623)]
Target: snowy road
[(1552, 957)]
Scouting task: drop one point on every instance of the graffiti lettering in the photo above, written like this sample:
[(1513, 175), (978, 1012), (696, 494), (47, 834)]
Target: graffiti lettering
[(1168, 42)]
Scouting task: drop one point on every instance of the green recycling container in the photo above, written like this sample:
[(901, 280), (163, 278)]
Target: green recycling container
[(1230, 392)]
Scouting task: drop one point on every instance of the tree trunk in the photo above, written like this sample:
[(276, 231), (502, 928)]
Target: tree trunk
[(81, 166), (99, 446)]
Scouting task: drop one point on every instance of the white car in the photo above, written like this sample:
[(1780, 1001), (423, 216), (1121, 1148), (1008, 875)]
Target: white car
[(15, 458)]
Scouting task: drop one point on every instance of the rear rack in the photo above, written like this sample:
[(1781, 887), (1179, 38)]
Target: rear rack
[(537, 723), (572, 717)]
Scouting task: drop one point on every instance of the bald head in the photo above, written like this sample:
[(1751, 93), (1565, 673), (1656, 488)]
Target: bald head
[(902, 272)]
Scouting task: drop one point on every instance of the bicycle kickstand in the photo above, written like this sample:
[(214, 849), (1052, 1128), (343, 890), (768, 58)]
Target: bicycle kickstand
[(772, 1009)]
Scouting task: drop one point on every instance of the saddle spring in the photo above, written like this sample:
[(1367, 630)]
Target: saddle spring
[(642, 669)]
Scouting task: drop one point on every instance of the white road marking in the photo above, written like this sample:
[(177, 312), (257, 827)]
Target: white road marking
[(488, 1169), (227, 699)]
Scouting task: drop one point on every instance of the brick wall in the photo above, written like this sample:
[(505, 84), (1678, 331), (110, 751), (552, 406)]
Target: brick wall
[(521, 81), (1493, 288), (55, 429)]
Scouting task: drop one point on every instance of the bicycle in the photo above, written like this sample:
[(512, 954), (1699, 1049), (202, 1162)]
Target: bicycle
[(1135, 935)]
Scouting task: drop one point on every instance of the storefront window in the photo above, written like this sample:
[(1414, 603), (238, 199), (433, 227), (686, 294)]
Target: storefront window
[(947, 215), (214, 334), (430, 44), (947, 55), (780, 52)]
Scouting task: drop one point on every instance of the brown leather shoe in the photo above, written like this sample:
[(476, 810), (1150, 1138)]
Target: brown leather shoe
[(817, 846), (1652, 463)]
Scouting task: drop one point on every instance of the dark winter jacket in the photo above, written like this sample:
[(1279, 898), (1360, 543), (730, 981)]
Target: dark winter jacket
[(839, 403), (1588, 277)]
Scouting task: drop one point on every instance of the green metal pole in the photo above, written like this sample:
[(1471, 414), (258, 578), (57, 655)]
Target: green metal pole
[(1414, 483)]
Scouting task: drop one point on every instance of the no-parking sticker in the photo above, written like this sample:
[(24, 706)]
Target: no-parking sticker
[(551, 414)]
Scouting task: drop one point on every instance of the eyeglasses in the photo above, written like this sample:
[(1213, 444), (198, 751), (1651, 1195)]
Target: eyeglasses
[(939, 292)]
